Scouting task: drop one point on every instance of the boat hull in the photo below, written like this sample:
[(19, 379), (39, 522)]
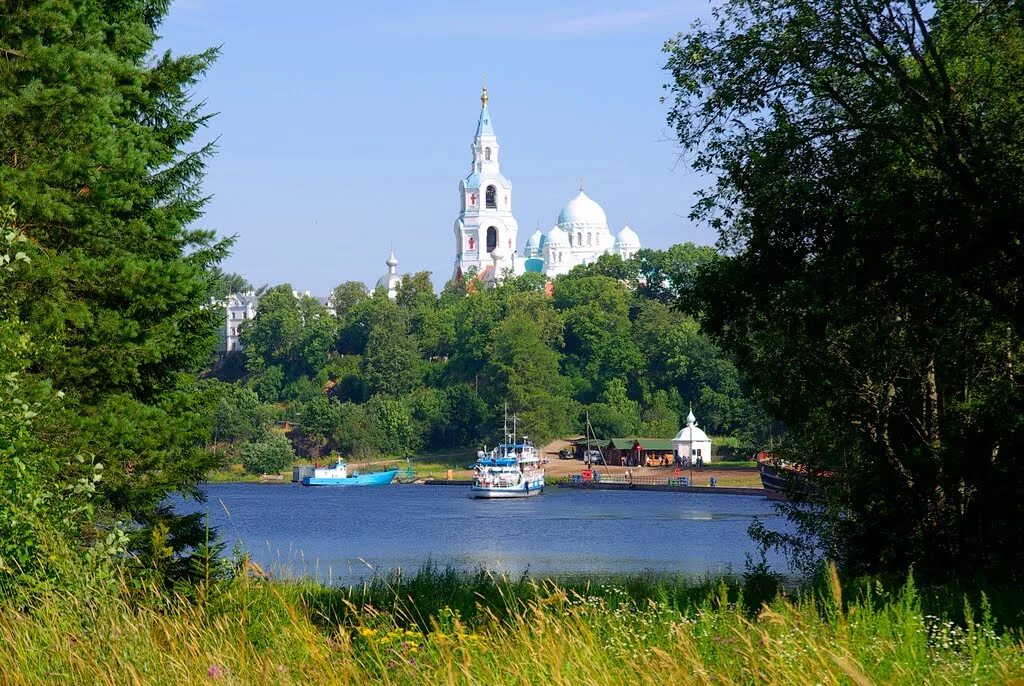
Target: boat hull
[(494, 493), (772, 478), (375, 479), (781, 483), (521, 491)]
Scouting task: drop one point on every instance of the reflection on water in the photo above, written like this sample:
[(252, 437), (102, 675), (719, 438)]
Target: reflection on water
[(345, 534)]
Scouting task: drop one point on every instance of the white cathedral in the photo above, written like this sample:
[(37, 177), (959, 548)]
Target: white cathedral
[(486, 232)]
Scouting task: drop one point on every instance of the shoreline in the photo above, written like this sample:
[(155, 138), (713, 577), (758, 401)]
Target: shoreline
[(589, 486)]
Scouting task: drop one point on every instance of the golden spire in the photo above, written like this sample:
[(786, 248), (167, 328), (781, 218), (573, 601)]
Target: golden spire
[(483, 94)]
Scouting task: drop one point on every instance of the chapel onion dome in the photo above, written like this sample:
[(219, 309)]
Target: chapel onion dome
[(535, 243), (389, 282), (691, 432), (627, 238), (557, 237), (582, 212)]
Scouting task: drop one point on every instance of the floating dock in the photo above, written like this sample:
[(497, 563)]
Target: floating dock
[(663, 487)]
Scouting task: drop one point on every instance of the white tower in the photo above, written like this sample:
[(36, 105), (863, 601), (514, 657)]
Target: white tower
[(485, 221)]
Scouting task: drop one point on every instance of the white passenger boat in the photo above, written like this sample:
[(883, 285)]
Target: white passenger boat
[(513, 469)]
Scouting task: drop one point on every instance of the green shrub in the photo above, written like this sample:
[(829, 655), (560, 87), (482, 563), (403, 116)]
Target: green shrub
[(269, 456)]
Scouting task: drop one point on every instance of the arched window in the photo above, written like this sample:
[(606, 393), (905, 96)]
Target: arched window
[(487, 154), (590, 239), (579, 238), (570, 240), (492, 234), (491, 192)]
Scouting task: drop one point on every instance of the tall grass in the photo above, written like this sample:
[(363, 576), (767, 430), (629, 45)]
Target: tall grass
[(441, 627)]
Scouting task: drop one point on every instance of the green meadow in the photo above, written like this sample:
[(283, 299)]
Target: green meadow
[(443, 627)]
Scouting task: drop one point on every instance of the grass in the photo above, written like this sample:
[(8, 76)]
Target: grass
[(233, 473), (439, 627)]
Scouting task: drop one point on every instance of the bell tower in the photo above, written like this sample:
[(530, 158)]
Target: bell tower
[(485, 220)]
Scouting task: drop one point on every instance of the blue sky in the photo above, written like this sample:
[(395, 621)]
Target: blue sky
[(344, 128)]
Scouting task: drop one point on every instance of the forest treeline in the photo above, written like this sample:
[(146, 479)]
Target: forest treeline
[(428, 372)]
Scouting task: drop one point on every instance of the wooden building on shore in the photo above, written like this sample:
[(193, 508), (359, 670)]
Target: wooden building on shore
[(639, 452)]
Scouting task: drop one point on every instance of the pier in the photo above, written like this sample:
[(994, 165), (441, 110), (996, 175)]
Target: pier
[(620, 482)]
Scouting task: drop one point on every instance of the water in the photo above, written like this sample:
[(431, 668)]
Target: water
[(346, 534)]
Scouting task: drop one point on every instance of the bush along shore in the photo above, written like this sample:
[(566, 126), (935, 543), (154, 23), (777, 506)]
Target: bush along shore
[(443, 627)]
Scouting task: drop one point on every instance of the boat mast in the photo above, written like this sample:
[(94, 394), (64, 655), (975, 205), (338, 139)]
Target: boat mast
[(504, 429), (590, 432)]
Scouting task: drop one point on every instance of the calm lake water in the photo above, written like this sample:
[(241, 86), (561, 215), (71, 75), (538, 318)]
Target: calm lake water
[(344, 534)]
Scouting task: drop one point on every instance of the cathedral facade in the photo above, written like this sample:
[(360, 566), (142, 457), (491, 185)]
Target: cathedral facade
[(487, 234)]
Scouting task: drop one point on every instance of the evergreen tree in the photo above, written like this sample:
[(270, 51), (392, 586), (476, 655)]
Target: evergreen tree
[(95, 136)]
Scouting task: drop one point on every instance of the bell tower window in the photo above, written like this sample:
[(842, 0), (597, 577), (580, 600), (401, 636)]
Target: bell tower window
[(487, 154), (491, 202), (492, 235)]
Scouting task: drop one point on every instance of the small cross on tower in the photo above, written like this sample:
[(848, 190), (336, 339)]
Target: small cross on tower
[(472, 199)]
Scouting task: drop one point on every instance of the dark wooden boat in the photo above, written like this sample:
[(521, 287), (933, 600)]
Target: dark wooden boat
[(780, 481), (773, 480)]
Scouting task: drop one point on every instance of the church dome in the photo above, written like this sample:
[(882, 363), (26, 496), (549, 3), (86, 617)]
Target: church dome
[(627, 238), (691, 432), (557, 237), (698, 434), (536, 240), (389, 282), (581, 211)]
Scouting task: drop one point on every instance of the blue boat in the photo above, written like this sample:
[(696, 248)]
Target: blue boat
[(339, 476)]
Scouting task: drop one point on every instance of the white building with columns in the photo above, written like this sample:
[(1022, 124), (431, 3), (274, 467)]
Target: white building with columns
[(486, 231)]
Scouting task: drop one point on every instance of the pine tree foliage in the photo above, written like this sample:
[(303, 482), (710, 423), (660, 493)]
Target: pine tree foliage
[(97, 155)]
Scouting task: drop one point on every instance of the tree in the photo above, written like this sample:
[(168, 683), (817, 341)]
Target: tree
[(661, 418), (522, 371), (45, 498), (391, 365), (96, 156), (268, 457), (392, 426), (664, 275), (354, 330), (346, 296), (598, 344), (415, 291), (615, 415), (240, 415), (293, 332), (870, 184), (227, 283), (320, 419), (274, 337)]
